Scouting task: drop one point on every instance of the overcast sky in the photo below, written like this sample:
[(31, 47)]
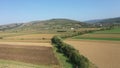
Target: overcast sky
[(15, 11)]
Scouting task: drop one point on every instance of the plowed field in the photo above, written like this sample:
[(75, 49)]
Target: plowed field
[(39, 55)]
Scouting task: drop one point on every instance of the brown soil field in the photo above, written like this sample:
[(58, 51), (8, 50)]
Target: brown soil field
[(101, 35), (26, 44), (32, 37), (104, 54), (38, 55), (33, 41), (38, 38)]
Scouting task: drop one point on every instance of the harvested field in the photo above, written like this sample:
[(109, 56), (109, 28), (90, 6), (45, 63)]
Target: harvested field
[(38, 55), (37, 38), (105, 54), (33, 37), (26, 44), (33, 41)]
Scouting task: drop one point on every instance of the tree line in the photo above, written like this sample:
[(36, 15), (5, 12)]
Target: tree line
[(78, 61)]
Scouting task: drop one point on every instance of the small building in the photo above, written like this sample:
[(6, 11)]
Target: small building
[(72, 28)]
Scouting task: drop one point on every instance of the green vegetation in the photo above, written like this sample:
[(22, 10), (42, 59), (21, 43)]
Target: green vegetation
[(62, 59), (112, 34), (15, 64), (111, 39), (112, 31), (77, 60)]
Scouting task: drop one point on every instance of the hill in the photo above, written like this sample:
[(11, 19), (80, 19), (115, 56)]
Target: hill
[(106, 22), (10, 26), (93, 21), (51, 24)]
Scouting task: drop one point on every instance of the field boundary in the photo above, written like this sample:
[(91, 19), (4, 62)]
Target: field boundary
[(77, 60)]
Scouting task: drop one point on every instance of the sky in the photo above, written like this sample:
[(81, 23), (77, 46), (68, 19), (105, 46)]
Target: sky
[(19, 11)]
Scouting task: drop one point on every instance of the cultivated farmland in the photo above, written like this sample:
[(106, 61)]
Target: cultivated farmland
[(113, 34), (33, 37), (41, 38), (37, 55), (104, 54)]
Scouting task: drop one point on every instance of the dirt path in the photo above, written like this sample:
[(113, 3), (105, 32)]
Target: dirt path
[(105, 54)]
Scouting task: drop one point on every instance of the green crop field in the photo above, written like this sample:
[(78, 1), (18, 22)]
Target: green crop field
[(113, 31), (113, 34), (14, 64)]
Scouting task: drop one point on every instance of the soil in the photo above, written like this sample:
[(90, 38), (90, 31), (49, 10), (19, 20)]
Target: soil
[(29, 54)]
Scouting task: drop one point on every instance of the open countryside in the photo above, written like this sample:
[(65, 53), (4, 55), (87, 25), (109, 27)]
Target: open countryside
[(59, 34), (97, 46)]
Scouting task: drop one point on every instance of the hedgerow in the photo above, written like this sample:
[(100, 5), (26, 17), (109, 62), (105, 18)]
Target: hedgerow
[(78, 61)]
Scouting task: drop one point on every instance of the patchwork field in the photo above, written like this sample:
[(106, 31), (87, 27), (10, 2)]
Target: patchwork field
[(112, 31), (99, 37), (41, 38), (37, 55), (105, 54), (113, 34), (33, 37)]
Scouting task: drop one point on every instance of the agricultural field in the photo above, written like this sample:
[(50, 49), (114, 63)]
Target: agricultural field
[(15, 64), (113, 34), (84, 29), (17, 37), (104, 54), (33, 37), (7, 34), (27, 50), (33, 55), (112, 31)]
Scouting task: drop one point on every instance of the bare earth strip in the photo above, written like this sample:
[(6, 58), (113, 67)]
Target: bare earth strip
[(105, 54)]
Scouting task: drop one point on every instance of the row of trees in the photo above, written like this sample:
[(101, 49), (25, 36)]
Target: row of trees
[(84, 32), (78, 61), (76, 34)]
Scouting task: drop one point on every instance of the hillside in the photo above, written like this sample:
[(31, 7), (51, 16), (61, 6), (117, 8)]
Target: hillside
[(10, 26), (93, 21), (106, 22), (47, 25), (58, 24)]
